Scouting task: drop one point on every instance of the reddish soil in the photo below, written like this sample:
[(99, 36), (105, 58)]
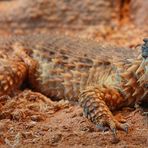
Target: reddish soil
[(42, 123)]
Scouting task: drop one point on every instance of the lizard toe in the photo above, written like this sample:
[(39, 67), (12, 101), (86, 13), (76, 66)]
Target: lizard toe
[(122, 126)]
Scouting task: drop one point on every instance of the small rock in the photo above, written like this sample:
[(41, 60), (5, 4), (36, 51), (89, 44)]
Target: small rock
[(37, 118), (56, 138)]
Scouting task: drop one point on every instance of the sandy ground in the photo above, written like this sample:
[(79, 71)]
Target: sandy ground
[(68, 128), (29, 123)]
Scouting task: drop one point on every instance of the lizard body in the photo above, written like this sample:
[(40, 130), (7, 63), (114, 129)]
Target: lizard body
[(99, 77)]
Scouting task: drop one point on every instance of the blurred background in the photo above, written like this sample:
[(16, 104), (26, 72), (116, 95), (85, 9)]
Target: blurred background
[(115, 21)]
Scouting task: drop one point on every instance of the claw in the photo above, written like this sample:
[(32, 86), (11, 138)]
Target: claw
[(126, 128), (121, 126), (146, 119), (115, 139), (114, 132), (145, 113)]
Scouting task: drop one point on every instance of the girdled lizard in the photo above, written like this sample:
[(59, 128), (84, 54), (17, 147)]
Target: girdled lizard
[(98, 77)]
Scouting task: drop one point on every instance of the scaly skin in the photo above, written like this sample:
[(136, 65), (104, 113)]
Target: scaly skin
[(97, 76)]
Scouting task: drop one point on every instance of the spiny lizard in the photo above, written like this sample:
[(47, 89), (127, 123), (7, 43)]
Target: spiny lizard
[(97, 76)]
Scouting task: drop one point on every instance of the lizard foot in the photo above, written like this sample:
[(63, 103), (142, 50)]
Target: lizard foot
[(97, 111)]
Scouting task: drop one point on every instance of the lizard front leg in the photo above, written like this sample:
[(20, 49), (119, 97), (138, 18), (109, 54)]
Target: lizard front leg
[(93, 101), (12, 74)]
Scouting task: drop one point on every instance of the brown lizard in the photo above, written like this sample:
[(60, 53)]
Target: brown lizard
[(78, 70)]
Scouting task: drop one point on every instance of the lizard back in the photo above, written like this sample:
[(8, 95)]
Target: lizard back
[(66, 65)]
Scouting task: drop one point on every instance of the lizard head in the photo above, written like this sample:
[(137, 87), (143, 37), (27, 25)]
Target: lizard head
[(145, 61)]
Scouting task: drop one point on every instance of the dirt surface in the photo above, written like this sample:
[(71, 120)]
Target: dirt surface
[(34, 122)]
